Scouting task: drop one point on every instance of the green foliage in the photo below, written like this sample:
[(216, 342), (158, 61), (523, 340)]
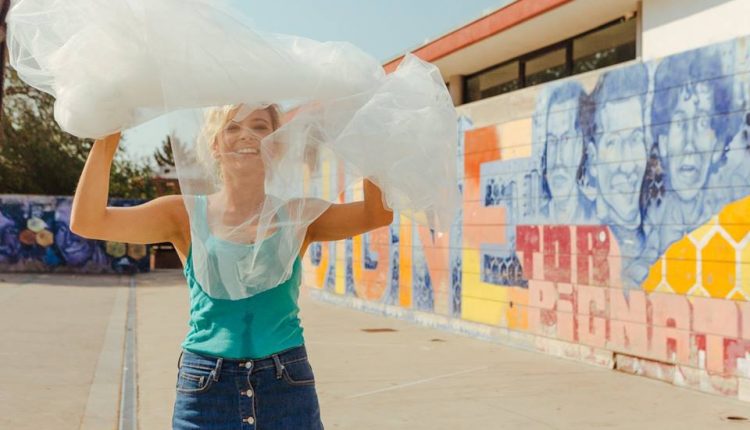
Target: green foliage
[(37, 157)]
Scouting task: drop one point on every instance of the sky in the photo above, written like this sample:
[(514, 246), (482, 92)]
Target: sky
[(383, 28)]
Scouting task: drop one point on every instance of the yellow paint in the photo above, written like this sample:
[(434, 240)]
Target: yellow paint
[(357, 263), (734, 219), (718, 258), (483, 311), (340, 267), (481, 301), (681, 266), (703, 231), (719, 267), (654, 277), (745, 271)]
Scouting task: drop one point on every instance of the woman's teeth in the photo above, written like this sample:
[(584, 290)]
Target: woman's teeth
[(247, 151)]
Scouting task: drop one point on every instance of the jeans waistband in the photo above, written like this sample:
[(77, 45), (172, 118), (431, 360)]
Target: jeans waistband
[(218, 365)]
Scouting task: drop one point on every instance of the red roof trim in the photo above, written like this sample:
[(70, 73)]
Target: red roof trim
[(496, 22)]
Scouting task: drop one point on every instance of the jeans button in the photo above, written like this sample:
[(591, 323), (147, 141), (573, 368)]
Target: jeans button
[(249, 365), (249, 393), (250, 420)]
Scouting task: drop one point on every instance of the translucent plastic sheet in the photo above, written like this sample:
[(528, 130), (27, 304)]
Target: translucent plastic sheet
[(247, 174)]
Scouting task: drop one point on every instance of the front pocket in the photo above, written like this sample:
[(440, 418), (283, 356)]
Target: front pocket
[(299, 373), (193, 381)]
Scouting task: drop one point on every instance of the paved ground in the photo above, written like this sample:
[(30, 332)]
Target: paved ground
[(61, 355)]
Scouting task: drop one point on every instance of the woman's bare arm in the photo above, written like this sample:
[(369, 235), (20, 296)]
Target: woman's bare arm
[(341, 221), (161, 220)]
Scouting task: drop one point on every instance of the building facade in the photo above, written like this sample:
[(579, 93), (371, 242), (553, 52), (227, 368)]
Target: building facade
[(604, 163)]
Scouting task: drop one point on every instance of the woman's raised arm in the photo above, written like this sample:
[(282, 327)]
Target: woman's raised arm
[(160, 220)]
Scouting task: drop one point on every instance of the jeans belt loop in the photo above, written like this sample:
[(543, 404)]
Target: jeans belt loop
[(279, 366), (217, 369)]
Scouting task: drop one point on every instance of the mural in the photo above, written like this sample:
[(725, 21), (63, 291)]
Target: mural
[(35, 237), (605, 218)]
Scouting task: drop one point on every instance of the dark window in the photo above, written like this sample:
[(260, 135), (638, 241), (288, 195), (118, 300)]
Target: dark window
[(545, 67), (604, 46), (497, 80), (610, 45)]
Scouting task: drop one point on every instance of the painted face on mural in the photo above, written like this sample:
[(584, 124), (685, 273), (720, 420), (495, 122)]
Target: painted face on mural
[(691, 144), (564, 146), (620, 159)]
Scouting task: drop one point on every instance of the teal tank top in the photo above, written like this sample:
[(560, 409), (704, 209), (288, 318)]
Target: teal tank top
[(255, 327)]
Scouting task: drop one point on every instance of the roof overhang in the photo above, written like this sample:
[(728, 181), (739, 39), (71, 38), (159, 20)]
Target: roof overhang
[(516, 29)]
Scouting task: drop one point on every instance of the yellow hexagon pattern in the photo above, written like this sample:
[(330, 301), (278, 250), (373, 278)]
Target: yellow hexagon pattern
[(712, 260)]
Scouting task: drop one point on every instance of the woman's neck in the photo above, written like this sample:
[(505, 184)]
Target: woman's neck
[(239, 199)]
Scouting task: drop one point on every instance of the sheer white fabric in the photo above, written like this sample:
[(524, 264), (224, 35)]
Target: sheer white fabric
[(250, 174)]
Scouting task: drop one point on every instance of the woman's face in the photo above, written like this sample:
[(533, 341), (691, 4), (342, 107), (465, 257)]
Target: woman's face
[(238, 145)]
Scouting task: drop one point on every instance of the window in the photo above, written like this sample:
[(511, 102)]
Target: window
[(601, 48), (498, 80), (545, 67), (604, 46)]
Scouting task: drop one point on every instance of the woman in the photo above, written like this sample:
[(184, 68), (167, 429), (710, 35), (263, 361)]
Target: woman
[(243, 363)]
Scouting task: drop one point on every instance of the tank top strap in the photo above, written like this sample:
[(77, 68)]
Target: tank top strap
[(198, 219)]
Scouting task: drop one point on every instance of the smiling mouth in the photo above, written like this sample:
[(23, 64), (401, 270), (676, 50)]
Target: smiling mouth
[(247, 151)]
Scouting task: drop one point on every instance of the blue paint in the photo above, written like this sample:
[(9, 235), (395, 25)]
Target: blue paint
[(653, 152), (35, 237)]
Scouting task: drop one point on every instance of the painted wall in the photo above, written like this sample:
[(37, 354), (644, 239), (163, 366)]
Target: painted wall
[(35, 237), (672, 26), (605, 218)]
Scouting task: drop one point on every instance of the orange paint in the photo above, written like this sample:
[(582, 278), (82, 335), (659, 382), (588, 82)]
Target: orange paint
[(372, 283), (481, 224), (405, 260)]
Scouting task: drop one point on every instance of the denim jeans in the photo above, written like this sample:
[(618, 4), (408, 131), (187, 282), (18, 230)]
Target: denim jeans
[(272, 393)]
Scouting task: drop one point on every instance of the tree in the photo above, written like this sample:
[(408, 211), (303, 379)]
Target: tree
[(163, 155), (37, 157), (4, 8)]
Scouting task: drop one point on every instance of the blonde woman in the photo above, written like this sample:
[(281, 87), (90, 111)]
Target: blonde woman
[(243, 363)]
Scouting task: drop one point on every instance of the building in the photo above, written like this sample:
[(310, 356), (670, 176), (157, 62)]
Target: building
[(603, 161)]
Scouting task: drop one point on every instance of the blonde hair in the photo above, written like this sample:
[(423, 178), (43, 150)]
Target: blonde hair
[(215, 120)]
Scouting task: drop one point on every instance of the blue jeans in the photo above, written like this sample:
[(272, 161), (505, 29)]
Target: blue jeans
[(272, 393)]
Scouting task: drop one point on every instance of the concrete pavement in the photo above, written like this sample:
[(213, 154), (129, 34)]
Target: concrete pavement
[(61, 354)]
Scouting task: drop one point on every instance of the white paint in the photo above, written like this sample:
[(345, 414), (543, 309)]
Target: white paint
[(744, 389), (672, 26)]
